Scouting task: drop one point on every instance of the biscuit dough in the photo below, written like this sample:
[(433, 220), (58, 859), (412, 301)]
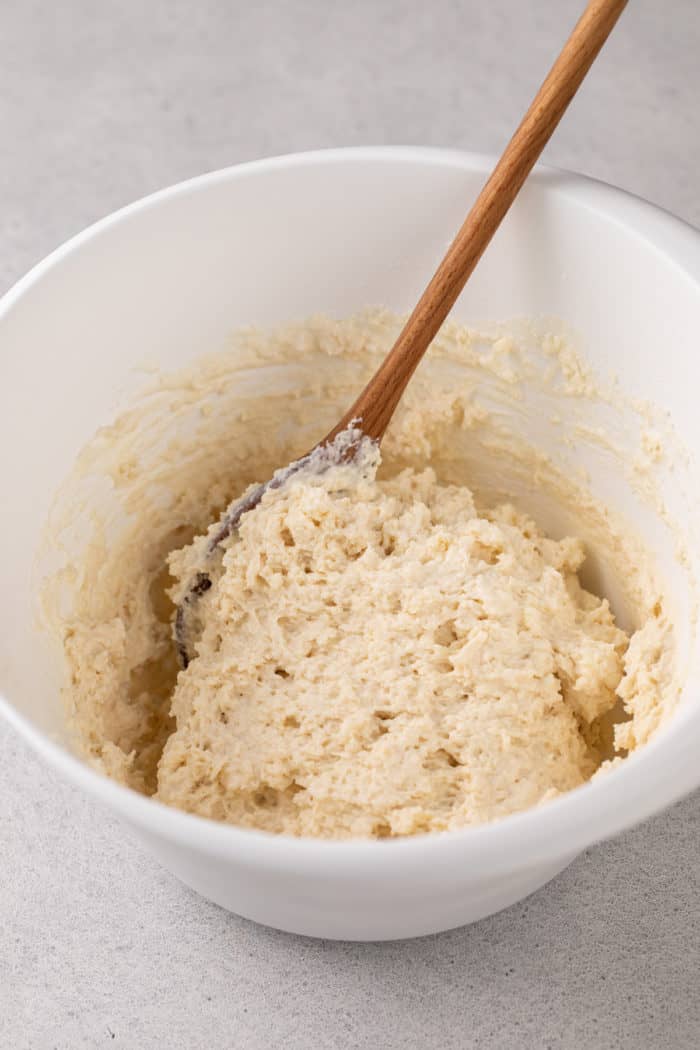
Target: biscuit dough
[(379, 655)]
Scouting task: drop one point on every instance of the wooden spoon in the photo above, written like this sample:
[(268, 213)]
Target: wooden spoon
[(371, 413)]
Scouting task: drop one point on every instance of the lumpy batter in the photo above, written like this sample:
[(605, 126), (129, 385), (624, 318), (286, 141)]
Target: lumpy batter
[(379, 659), (376, 657)]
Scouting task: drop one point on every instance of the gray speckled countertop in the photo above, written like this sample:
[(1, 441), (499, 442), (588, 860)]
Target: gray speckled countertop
[(102, 103)]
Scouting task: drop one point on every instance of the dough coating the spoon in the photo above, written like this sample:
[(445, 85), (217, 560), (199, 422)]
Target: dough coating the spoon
[(350, 447)]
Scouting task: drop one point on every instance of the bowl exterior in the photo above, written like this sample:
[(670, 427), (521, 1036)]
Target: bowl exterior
[(355, 907)]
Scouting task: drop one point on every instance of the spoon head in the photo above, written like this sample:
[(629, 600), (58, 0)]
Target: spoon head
[(351, 448)]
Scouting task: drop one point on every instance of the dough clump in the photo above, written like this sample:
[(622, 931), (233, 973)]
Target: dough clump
[(377, 659)]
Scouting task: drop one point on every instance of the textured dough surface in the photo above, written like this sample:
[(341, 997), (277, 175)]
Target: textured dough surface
[(379, 657)]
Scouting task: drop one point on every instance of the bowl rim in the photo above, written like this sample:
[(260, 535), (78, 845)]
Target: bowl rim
[(647, 782)]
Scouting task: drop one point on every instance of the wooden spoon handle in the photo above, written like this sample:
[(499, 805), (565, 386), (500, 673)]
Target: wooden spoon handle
[(377, 402)]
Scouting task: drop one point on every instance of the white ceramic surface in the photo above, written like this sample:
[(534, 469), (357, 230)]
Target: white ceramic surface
[(168, 278)]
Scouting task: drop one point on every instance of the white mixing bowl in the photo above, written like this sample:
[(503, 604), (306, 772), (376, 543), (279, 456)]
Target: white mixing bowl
[(168, 278)]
